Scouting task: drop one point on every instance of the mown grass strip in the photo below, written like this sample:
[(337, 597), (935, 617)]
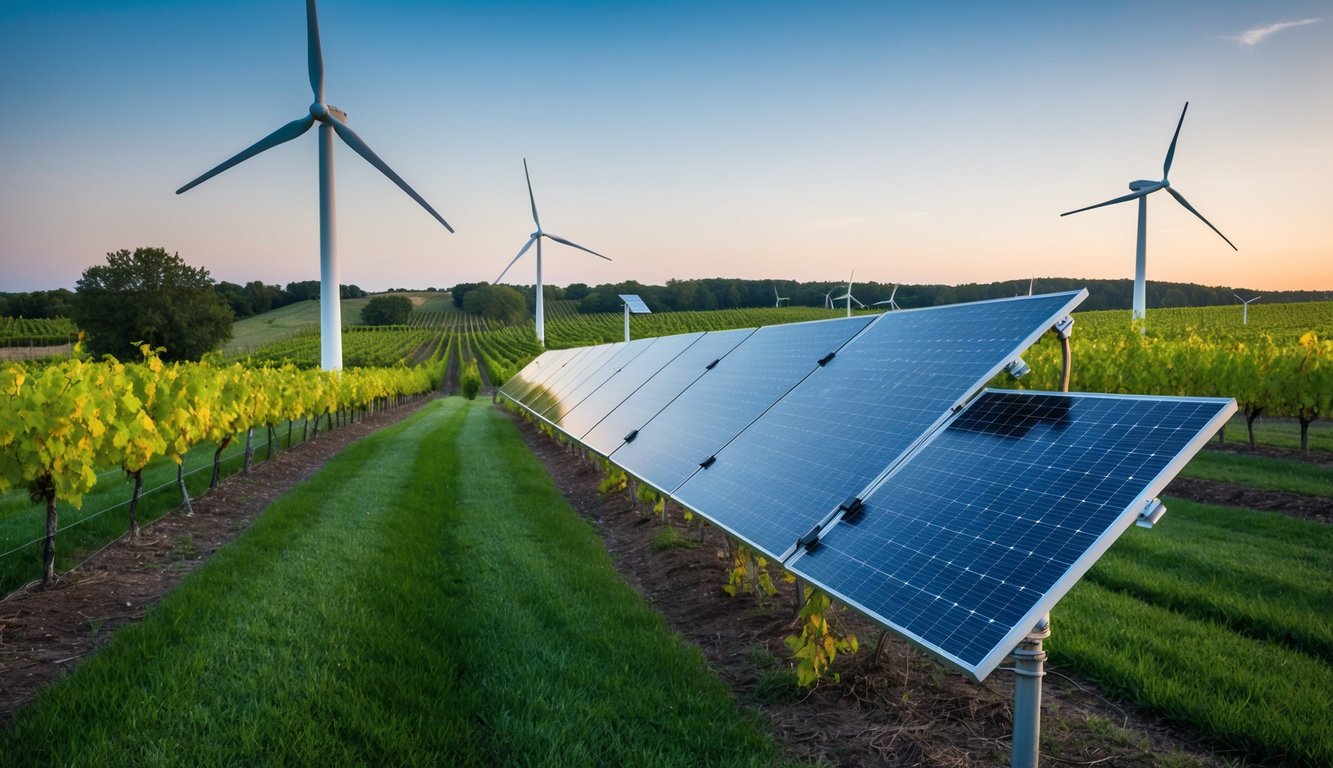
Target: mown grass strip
[(1263, 699), (1262, 472), (1261, 574), (428, 598)]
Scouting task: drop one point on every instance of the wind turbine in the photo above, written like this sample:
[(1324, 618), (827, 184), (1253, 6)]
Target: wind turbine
[(536, 237), (1139, 190), (331, 120), (1245, 311), (828, 300), (780, 299), (892, 304), (848, 295)]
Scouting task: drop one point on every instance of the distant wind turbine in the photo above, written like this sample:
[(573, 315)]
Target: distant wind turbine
[(1245, 311), (331, 120), (828, 300), (848, 295), (536, 237), (1139, 191), (780, 299), (889, 301)]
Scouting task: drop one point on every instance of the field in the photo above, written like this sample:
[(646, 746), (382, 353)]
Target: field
[(1215, 621)]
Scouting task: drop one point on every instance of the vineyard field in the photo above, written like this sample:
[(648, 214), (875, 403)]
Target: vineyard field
[(25, 332)]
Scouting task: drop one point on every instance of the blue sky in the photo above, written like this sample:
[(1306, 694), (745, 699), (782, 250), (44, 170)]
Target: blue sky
[(785, 140)]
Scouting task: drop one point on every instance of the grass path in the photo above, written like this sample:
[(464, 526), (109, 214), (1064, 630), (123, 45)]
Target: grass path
[(427, 598)]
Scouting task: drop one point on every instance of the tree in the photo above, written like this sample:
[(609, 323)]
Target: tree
[(387, 310), (497, 303), (154, 297)]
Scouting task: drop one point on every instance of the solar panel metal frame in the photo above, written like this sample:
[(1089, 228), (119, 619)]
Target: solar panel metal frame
[(1125, 520), (946, 413)]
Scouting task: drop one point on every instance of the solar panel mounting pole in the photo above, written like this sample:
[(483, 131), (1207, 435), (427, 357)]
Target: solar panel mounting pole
[(1029, 668), (627, 321)]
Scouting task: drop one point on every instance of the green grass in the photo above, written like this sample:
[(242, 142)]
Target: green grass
[(253, 333), (1281, 433), (1217, 619), (427, 598), (1262, 472), (440, 301)]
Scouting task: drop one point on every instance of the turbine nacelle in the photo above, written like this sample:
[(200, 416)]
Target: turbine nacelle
[(1142, 184)]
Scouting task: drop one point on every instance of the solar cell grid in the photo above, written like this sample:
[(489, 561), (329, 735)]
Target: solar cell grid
[(665, 385), (541, 367), (560, 364), (839, 429), (713, 410), (983, 529)]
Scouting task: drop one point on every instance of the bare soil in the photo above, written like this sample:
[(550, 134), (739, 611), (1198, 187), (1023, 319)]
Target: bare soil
[(892, 707)]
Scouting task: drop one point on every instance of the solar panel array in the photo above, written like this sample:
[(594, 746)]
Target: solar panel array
[(859, 454)]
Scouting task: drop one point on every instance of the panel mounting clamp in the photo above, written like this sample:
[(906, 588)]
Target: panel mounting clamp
[(823, 361), (708, 462), (810, 540), (851, 508), (630, 437), (709, 367)]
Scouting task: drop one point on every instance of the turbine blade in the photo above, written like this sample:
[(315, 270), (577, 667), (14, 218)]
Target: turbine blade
[(1180, 199), (1125, 198), (559, 239), (1171, 152), (521, 251), (349, 136), (282, 135), (531, 198), (314, 53)]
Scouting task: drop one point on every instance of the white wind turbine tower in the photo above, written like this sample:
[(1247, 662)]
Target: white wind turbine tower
[(536, 237), (1245, 311), (848, 295), (780, 299), (889, 301), (331, 120), (1139, 191)]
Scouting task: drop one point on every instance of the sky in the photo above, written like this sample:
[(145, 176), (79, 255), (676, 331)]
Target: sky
[(915, 143)]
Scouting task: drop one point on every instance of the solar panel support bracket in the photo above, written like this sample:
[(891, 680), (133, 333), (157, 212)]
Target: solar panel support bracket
[(1064, 327), (1152, 511)]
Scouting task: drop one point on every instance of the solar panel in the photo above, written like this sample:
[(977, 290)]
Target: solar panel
[(635, 304), (647, 400), (541, 391), (982, 530), (713, 410), (595, 407), (541, 368), (831, 436), (594, 379), (563, 382)]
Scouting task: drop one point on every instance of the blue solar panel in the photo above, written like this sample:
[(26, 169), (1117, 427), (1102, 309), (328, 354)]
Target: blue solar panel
[(646, 401), (557, 387), (560, 362), (745, 383), (579, 420), (593, 379), (843, 426), (542, 367), (982, 530), (635, 304)]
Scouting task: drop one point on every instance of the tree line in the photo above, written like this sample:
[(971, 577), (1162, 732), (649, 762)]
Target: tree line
[(730, 293)]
